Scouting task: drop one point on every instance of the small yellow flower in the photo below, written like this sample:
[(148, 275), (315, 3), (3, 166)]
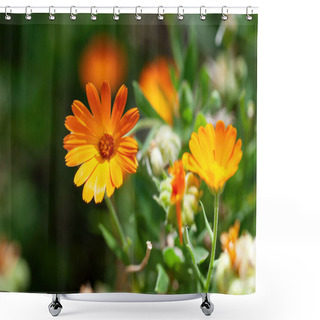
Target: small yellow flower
[(98, 143), (155, 83), (215, 154)]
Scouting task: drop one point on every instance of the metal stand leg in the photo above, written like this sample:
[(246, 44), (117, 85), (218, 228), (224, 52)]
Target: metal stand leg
[(55, 306), (207, 306)]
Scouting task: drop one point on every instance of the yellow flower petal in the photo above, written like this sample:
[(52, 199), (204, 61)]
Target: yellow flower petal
[(96, 142), (101, 181), (116, 173), (80, 155), (94, 101), (156, 84), (118, 107), (85, 171), (106, 103), (215, 154), (110, 186), (128, 121), (84, 116)]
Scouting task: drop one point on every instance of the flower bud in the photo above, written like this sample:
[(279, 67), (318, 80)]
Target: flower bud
[(164, 198), (164, 149), (156, 161)]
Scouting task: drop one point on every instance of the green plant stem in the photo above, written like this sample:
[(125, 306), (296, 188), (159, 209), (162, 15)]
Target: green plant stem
[(116, 221), (146, 123), (213, 244)]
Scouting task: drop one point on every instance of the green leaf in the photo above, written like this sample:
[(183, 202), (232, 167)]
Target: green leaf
[(143, 104), (200, 121), (200, 254), (206, 222), (172, 256), (176, 43), (111, 242), (186, 103), (162, 283), (193, 258), (191, 60), (204, 80)]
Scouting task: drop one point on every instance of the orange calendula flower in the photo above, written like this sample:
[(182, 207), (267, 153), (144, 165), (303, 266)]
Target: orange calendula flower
[(98, 143), (155, 83), (103, 59), (229, 239), (178, 189), (215, 154)]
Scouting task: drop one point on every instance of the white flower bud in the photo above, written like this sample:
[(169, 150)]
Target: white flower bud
[(156, 161), (164, 149)]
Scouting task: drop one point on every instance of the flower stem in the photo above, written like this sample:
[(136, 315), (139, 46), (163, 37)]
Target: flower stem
[(214, 240), (116, 221)]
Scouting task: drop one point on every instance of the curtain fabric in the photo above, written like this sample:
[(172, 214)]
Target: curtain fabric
[(128, 154)]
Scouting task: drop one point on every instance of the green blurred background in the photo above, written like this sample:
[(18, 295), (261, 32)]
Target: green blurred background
[(60, 244)]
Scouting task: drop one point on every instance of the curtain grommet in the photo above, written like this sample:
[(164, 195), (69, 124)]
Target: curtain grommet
[(52, 11), (73, 13), (28, 13), (93, 15), (180, 13), (138, 15), (203, 13), (116, 14), (7, 11), (160, 15), (224, 13), (249, 15)]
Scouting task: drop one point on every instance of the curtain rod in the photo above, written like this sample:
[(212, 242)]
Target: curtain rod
[(28, 10)]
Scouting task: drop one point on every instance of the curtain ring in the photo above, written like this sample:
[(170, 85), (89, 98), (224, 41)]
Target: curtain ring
[(7, 10), (248, 16), (73, 13), (180, 13), (116, 14), (93, 16), (28, 13), (160, 15), (224, 13), (203, 13), (137, 16), (52, 11)]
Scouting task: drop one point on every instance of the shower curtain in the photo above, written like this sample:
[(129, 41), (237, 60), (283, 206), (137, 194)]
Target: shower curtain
[(128, 154)]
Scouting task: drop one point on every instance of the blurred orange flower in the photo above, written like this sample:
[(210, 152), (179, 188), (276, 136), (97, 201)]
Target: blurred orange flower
[(178, 189), (228, 241), (9, 255), (155, 83), (98, 143), (215, 154), (103, 59)]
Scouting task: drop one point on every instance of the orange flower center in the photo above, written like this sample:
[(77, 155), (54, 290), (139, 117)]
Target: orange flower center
[(106, 146)]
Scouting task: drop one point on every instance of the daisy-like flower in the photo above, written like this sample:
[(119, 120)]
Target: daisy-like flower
[(155, 83), (178, 188), (215, 154), (98, 144)]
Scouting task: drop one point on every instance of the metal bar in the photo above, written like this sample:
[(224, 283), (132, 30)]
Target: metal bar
[(126, 10), (128, 297)]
